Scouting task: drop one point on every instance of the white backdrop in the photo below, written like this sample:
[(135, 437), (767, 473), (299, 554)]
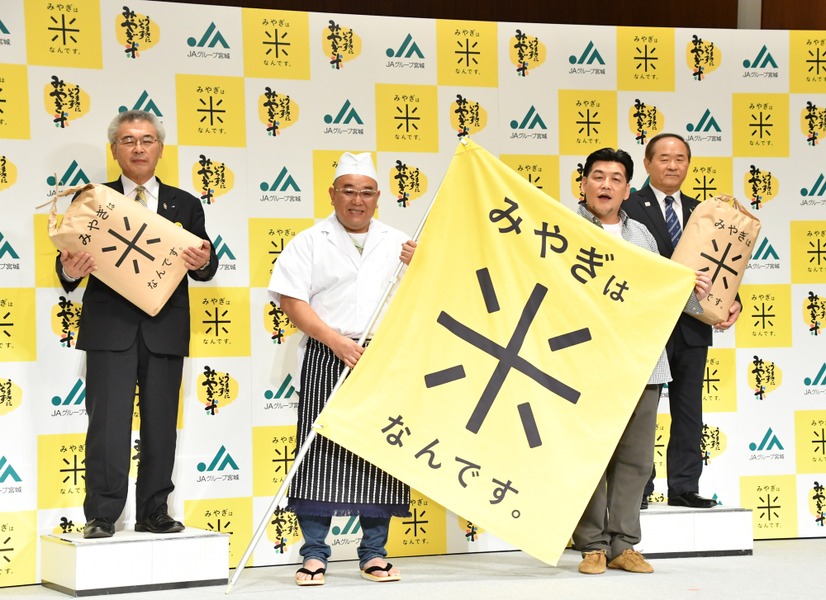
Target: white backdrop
[(540, 96)]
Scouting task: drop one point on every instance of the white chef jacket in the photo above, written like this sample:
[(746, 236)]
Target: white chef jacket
[(322, 267)]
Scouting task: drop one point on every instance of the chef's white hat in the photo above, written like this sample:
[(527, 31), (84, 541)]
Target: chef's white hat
[(356, 164)]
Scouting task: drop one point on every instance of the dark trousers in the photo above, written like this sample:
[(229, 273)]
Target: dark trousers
[(110, 395), (685, 400)]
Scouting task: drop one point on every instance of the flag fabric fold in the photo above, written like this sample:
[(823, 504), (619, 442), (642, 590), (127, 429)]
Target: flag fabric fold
[(511, 357)]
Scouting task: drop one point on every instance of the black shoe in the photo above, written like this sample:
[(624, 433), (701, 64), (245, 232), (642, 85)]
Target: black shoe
[(644, 503), (691, 500), (159, 522), (98, 528)]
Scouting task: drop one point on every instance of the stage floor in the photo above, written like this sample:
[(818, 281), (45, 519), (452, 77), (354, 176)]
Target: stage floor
[(776, 569)]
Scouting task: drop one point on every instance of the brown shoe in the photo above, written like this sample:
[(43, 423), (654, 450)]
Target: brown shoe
[(593, 562), (632, 561)]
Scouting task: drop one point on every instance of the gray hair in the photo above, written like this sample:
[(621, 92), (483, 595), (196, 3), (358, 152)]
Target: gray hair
[(135, 115)]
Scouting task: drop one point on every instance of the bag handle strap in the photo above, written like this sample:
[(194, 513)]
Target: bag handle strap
[(53, 224)]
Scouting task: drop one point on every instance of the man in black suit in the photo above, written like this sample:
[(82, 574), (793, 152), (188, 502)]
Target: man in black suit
[(667, 157), (125, 346)]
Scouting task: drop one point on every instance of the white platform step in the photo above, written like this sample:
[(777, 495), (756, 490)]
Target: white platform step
[(133, 562), (670, 531)]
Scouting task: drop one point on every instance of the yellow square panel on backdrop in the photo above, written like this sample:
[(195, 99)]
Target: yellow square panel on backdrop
[(64, 34), (760, 124), (808, 252), (773, 503), (14, 120), (645, 59), (18, 341), (661, 438), (276, 43), (709, 176), (810, 441), (220, 321), (765, 321), (587, 121), (273, 454), (232, 516), (19, 545), (542, 170), (324, 169), (407, 118), (807, 62), (467, 53), (210, 110), (61, 470), (720, 381), (423, 532), (267, 240)]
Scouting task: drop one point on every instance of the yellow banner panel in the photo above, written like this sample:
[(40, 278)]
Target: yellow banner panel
[(760, 125), (467, 53), (773, 503), (210, 110), (18, 340), (14, 120), (276, 44), (808, 241), (220, 321), (766, 320), (645, 59), (587, 121), (64, 34)]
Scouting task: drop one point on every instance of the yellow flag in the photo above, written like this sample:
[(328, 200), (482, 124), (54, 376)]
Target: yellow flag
[(509, 362)]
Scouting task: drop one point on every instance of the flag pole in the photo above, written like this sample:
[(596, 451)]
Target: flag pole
[(302, 452)]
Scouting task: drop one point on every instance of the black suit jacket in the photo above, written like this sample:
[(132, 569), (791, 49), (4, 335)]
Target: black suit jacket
[(108, 321), (642, 206)]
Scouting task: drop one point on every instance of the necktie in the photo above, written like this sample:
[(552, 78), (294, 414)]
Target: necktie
[(672, 222), (139, 197)]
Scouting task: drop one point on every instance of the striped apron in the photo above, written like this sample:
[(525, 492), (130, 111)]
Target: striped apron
[(330, 473)]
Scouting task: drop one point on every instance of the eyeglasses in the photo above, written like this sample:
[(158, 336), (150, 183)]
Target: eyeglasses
[(146, 141), (351, 193)]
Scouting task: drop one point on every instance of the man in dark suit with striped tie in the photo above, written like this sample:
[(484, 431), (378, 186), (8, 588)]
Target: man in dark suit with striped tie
[(665, 210), (125, 346)]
